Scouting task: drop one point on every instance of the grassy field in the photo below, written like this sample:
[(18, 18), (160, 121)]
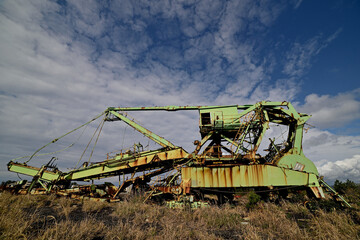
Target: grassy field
[(49, 217)]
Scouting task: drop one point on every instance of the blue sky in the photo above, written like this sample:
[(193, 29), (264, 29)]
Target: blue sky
[(63, 62)]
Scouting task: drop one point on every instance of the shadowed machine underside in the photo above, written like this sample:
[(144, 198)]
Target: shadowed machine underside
[(226, 160)]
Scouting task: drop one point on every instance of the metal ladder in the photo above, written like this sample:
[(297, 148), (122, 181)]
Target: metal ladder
[(333, 193)]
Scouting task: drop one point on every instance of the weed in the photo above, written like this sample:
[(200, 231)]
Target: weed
[(253, 200)]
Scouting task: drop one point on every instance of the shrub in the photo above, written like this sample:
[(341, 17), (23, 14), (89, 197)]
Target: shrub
[(343, 187), (253, 200)]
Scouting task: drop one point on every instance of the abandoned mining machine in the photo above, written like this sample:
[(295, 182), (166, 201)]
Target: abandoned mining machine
[(226, 160)]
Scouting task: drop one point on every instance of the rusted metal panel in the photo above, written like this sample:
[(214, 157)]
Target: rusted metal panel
[(208, 177), (215, 177), (200, 177), (142, 161), (170, 189), (236, 176), (316, 191), (247, 176), (228, 177), (186, 185), (222, 179), (193, 177), (33, 171)]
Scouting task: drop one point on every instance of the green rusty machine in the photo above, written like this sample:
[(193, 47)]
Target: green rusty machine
[(225, 161)]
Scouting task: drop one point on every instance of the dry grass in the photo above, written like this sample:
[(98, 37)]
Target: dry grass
[(48, 217)]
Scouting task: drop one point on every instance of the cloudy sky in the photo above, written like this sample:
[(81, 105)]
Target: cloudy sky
[(64, 62)]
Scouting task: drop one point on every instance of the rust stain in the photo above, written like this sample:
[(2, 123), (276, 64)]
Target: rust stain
[(196, 176), (222, 179), (208, 177), (260, 174), (255, 176), (170, 189), (141, 161), (215, 177), (228, 175), (316, 192), (135, 163), (236, 176), (285, 177), (186, 185), (231, 177), (164, 189), (246, 176), (202, 177)]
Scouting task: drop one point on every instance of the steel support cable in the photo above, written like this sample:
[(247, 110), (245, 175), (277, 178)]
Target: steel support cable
[(44, 154), (97, 138), (56, 139), (88, 144), (281, 133)]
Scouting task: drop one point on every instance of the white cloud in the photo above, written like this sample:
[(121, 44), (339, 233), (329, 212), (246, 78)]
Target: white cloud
[(281, 90), (348, 168), (297, 3), (333, 111), (298, 58), (322, 146)]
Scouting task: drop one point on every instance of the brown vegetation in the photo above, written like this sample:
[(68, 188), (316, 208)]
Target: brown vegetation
[(49, 217)]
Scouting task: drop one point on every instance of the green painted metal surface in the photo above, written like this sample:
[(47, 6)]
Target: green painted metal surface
[(32, 171), (297, 162), (258, 175), (160, 140)]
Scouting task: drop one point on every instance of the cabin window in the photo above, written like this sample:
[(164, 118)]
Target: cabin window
[(205, 119)]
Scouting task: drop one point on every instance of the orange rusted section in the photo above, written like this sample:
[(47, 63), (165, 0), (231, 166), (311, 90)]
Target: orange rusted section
[(186, 185), (285, 178), (164, 189), (256, 175), (246, 176), (162, 156), (170, 189), (215, 176), (208, 177), (317, 192), (228, 177), (222, 178), (130, 165)]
